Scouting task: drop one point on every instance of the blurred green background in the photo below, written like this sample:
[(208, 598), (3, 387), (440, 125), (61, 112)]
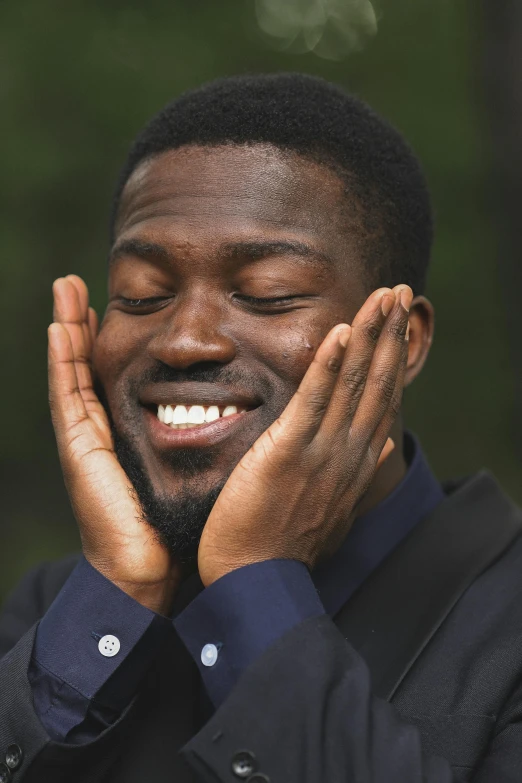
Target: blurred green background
[(79, 79)]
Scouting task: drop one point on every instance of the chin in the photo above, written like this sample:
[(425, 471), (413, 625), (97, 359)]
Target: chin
[(179, 515)]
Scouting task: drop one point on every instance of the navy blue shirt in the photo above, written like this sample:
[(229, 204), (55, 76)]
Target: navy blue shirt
[(79, 689)]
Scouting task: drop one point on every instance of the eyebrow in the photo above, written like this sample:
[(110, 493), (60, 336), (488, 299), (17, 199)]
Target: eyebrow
[(256, 250), (249, 250), (137, 247)]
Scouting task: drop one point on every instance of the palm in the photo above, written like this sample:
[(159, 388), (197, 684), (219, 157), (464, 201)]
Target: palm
[(244, 499), (115, 537)]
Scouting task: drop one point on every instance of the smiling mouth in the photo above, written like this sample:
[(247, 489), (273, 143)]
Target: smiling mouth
[(185, 416)]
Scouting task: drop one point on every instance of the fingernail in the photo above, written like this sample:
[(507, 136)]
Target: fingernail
[(344, 336), (387, 303), (407, 335), (406, 297)]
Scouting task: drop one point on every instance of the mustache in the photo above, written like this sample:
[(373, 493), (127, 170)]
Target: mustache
[(234, 377), (237, 378), (203, 372)]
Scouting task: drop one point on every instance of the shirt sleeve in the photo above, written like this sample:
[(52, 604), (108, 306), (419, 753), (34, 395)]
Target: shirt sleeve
[(234, 620), (92, 648)]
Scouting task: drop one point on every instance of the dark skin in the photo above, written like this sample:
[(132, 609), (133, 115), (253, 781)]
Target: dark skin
[(200, 232)]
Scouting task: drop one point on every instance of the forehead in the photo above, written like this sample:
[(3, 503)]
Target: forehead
[(201, 196)]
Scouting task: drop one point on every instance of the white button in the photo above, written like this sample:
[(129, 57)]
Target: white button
[(109, 645), (209, 655)]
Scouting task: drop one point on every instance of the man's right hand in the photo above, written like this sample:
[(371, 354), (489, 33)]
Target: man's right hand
[(116, 538)]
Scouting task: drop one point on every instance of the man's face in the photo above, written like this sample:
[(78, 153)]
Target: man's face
[(202, 235)]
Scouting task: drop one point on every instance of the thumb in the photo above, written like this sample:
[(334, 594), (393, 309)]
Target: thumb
[(385, 453)]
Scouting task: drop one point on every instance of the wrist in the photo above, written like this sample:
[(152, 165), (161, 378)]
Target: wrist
[(213, 568), (211, 572), (155, 594), (157, 598)]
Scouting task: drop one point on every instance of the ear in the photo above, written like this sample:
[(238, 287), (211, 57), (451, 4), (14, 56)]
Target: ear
[(422, 323)]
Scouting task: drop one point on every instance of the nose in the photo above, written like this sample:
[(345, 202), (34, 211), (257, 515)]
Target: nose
[(193, 332)]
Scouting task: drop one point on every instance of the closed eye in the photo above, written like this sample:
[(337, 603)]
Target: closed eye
[(274, 301), (153, 304), (267, 301), (274, 305), (144, 306)]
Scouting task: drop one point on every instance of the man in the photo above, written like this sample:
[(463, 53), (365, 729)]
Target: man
[(239, 413)]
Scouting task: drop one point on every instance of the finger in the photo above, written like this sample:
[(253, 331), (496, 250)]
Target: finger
[(66, 302), (378, 450), (93, 324), (67, 406), (382, 393), (381, 432), (303, 415), (68, 312), (386, 451), (366, 330), (82, 291), (83, 300), (84, 379)]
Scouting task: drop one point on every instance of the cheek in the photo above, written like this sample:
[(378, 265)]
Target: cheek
[(293, 349), (114, 349)]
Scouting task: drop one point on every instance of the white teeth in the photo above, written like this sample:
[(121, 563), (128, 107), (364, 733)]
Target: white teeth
[(212, 413), (180, 415), (183, 416), (196, 414)]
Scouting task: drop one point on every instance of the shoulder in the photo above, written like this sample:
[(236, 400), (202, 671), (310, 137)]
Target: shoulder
[(501, 583), (30, 599), (485, 525)]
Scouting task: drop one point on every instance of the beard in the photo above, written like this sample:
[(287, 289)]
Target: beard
[(178, 522)]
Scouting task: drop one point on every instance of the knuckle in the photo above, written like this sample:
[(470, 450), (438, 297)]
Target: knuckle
[(398, 329), (354, 379), (357, 440), (334, 364), (314, 403), (350, 474), (318, 403), (372, 332), (396, 404), (385, 385)]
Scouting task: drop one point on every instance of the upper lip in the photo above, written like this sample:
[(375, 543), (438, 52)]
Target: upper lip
[(194, 393)]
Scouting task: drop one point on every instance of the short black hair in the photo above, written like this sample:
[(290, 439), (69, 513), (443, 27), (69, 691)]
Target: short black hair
[(320, 121)]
